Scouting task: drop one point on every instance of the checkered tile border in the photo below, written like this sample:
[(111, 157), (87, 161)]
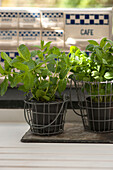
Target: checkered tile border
[(87, 19), (10, 54), (52, 15), (29, 15), (14, 54), (9, 14), (8, 33), (29, 33), (52, 33)]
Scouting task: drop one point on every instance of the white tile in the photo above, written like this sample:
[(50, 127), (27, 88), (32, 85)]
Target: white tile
[(105, 21), (8, 19), (29, 19), (97, 21), (101, 17), (72, 17), (91, 17), (86, 21), (29, 37), (56, 36), (52, 19), (86, 26), (8, 38), (82, 16)]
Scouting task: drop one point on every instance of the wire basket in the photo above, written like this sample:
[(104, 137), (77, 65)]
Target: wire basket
[(95, 100), (46, 118)]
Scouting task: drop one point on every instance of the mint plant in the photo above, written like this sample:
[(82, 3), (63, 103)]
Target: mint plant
[(95, 68), (42, 77)]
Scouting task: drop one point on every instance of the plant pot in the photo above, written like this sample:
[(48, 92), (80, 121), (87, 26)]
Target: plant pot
[(100, 116), (46, 118)]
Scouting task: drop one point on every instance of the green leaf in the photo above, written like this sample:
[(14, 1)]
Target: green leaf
[(21, 66), (28, 80), (78, 52), (6, 58), (1, 70), (14, 81), (73, 49), (24, 52), (10, 78), (39, 93), (90, 47), (93, 42), (66, 59), (62, 85), (103, 42), (51, 57), (30, 64), (17, 59), (86, 79), (47, 45), (94, 73), (110, 41), (42, 45), (97, 77), (51, 67), (4, 86), (33, 53), (44, 84), (104, 61), (22, 88), (40, 55), (63, 73), (108, 75), (99, 54), (107, 46), (46, 98), (7, 67), (45, 72), (53, 80)]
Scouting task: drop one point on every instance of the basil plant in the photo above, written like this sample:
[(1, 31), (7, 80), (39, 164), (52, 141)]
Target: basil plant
[(42, 77)]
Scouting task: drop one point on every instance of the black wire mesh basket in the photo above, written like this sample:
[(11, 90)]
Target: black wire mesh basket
[(95, 100), (46, 118)]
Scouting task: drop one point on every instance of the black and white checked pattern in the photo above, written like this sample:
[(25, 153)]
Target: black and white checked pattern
[(52, 15), (29, 15), (87, 19), (29, 33), (9, 14), (8, 33), (52, 33)]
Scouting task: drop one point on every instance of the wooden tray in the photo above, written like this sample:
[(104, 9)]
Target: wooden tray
[(73, 133)]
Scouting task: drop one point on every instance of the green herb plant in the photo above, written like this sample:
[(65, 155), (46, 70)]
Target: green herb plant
[(98, 67), (42, 77)]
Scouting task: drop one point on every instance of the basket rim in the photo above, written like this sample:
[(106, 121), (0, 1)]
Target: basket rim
[(47, 103)]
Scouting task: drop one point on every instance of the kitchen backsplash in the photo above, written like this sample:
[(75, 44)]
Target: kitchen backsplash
[(64, 27)]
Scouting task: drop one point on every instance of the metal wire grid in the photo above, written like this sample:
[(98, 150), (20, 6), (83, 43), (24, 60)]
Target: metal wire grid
[(46, 118), (95, 100)]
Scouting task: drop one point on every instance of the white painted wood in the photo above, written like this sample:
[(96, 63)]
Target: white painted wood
[(70, 149), (54, 156), (57, 164), (32, 168), (15, 155)]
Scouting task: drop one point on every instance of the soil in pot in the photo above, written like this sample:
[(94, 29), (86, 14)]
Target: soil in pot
[(100, 116)]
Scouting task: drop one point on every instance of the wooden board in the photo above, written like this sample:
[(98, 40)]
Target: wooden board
[(73, 133)]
